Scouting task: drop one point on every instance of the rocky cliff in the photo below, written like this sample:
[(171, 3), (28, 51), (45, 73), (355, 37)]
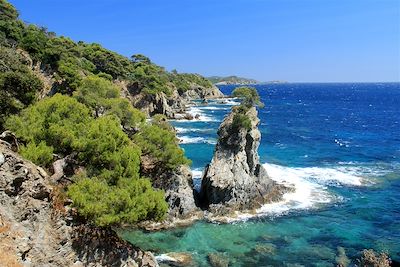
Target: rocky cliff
[(178, 187), (235, 179), (201, 92), (37, 230), (173, 106)]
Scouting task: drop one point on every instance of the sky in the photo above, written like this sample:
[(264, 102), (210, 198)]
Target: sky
[(288, 40)]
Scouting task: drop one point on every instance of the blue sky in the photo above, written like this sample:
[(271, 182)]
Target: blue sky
[(291, 40)]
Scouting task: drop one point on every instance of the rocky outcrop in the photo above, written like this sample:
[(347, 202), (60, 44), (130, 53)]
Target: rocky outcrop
[(235, 179), (173, 106), (200, 92), (37, 230), (178, 187)]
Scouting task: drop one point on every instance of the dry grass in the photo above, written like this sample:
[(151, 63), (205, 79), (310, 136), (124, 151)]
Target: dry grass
[(58, 197)]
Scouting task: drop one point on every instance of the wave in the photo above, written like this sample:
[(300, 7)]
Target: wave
[(213, 108), (191, 130), (199, 115), (196, 140), (311, 186)]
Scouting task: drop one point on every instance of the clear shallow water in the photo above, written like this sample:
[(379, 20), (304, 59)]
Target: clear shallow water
[(339, 144)]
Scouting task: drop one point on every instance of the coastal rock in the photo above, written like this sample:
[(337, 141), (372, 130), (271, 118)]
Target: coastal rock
[(172, 105), (35, 232), (235, 179), (179, 194), (200, 92), (178, 259)]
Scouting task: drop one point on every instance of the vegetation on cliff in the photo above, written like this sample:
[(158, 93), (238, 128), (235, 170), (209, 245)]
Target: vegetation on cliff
[(249, 98), (84, 118)]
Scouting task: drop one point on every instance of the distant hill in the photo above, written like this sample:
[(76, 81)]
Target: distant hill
[(231, 80)]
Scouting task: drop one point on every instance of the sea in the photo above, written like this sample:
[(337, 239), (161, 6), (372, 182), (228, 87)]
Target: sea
[(338, 144)]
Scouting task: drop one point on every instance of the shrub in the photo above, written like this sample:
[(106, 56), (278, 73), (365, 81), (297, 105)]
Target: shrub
[(40, 154), (249, 96), (58, 121), (161, 145), (128, 202), (241, 121), (104, 98)]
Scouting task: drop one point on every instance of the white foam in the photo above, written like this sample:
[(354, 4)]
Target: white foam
[(196, 140), (199, 115), (197, 173), (213, 108), (311, 188), (191, 130)]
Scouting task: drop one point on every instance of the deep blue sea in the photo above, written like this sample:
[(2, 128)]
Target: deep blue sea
[(338, 144)]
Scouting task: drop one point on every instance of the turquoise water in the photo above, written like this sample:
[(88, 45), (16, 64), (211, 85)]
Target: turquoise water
[(339, 144)]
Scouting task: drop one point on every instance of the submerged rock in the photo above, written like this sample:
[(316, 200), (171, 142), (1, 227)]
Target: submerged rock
[(235, 179), (178, 259), (218, 260)]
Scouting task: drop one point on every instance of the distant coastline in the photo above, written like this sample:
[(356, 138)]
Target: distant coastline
[(235, 80)]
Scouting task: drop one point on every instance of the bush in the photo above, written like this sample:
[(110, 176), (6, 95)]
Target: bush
[(58, 121), (107, 150), (128, 202), (241, 121), (40, 154), (249, 96), (104, 98), (19, 86), (161, 145)]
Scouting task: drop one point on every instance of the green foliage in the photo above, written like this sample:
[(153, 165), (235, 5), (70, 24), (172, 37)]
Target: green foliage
[(161, 145), (7, 11), (130, 117), (107, 150), (34, 41), (9, 23), (128, 202), (94, 92), (150, 78), (184, 81), (249, 96), (18, 84), (112, 192), (107, 61), (241, 121), (58, 121), (104, 98), (40, 154)]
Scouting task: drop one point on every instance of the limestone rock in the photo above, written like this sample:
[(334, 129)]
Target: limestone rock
[(235, 179), (200, 92), (179, 194)]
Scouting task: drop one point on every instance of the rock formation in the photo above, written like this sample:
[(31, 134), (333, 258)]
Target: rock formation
[(200, 92), (178, 187), (235, 179), (37, 230), (173, 106)]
